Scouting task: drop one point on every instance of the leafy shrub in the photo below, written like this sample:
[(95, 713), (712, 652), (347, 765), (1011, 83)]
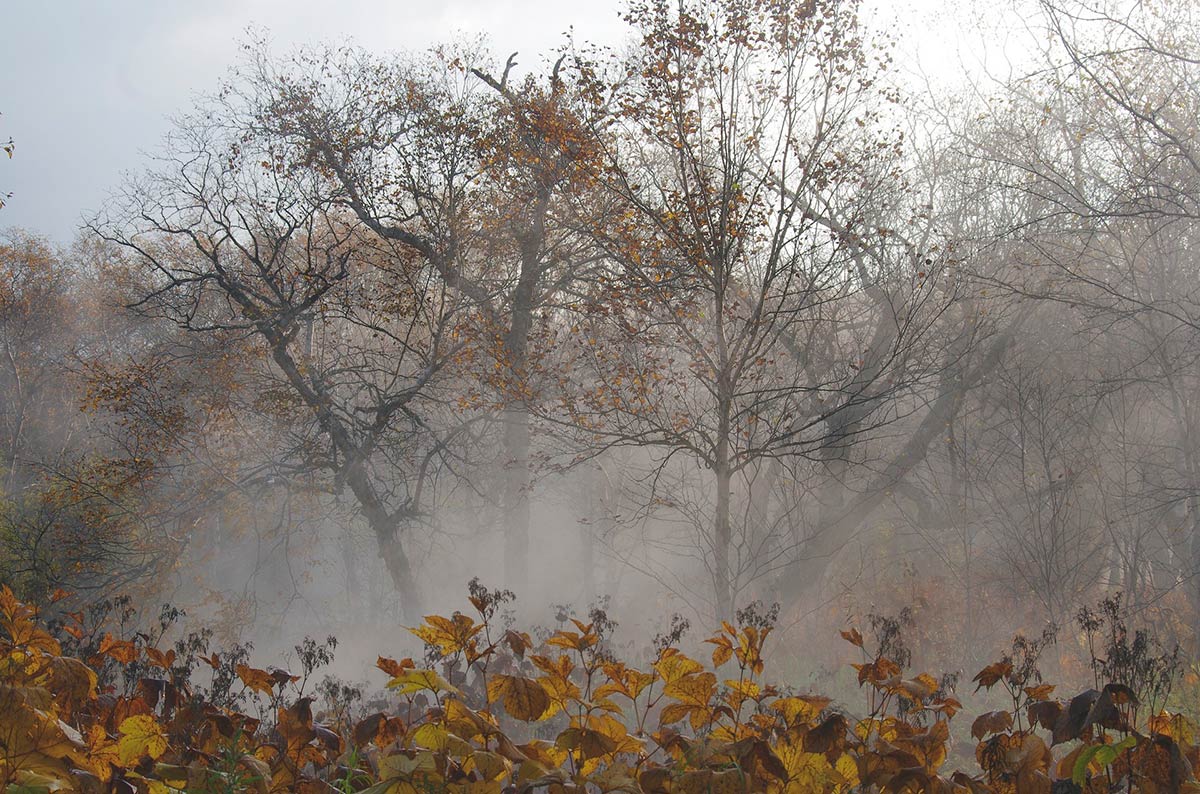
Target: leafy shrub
[(496, 712)]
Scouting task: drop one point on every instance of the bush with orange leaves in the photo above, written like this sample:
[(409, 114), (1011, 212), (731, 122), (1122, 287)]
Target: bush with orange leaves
[(499, 713)]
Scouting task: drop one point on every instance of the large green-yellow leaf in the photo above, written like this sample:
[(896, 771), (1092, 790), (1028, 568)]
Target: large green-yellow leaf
[(140, 736)]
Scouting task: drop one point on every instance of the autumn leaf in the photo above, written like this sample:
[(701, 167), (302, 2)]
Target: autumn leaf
[(1039, 692), (255, 679), (1044, 713), (448, 635), (572, 640), (675, 665), (589, 743), (102, 753), (991, 722), (723, 651), (411, 681), (988, 676), (695, 689), (378, 728), (518, 642), (392, 667), (123, 651), (436, 738), (160, 659), (140, 736), (829, 737), (800, 710), (491, 766), (853, 636), (523, 698)]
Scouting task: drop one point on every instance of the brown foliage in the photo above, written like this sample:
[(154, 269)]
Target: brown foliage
[(607, 726)]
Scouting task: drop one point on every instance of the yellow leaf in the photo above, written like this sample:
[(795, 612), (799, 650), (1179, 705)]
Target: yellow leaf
[(420, 680), (695, 690), (140, 736), (490, 766), (674, 666), (523, 698), (255, 679), (448, 635), (436, 738), (403, 765), (800, 710)]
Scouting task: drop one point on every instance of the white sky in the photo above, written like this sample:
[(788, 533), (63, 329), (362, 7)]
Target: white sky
[(87, 86)]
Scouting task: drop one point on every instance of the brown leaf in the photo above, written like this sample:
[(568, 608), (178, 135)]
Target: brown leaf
[(518, 642), (523, 698), (991, 722), (655, 780), (829, 737), (1039, 692), (970, 784), (160, 659), (988, 676), (589, 743), (366, 729), (1044, 713), (255, 679), (123, 651), (392, 667), (1072, 720), (853, 636)]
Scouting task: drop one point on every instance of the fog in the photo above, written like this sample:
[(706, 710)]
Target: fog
[(858, 316)]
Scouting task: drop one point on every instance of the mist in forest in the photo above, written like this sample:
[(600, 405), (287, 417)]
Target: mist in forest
[(742, 307)]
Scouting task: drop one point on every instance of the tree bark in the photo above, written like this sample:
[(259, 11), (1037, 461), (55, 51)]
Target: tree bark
[(400, 571), (722, 540), (516, 496), (722, 470)]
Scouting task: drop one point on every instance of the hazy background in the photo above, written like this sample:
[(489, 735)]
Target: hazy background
[(89, 91), (88, 88)]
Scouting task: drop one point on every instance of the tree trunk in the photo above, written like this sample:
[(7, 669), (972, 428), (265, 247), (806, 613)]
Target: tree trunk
[(722, 540), (835, 527), (398, 567), (384, 523), (722, 470), (516, 496), (595, 518), (517, 481)]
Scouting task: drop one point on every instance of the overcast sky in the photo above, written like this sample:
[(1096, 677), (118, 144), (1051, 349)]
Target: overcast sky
[(87, 87)]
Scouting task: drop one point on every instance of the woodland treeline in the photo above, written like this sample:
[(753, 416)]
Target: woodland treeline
[(731, 313)]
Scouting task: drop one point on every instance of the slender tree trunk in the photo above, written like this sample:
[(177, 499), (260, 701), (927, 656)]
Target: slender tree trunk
[(1193, 513), (723, 455), (384, 523), (1193, 561), (386, 527), (722, 528), (517, 479), (517, 485), (835, 527), (722, 540), (596, 516), (350, 562), (401, 573), (1191, 467)]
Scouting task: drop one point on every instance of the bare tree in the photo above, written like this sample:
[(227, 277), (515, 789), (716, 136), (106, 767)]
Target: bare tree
[(354, 331), (1098, 146), (762, 307), (505, 191)]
